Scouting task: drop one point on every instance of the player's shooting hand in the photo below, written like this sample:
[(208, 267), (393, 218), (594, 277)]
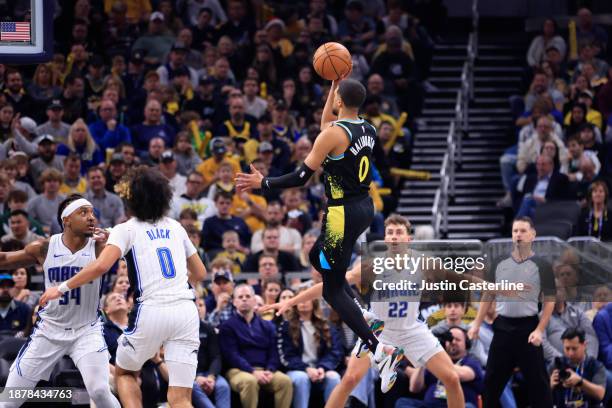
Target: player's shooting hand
[(49, 295), (246, 182), (535, 338)]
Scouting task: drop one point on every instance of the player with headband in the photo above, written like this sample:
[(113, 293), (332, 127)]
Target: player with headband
[(70, 325)]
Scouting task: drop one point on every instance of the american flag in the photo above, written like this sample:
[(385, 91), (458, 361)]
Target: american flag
[(11, 31)]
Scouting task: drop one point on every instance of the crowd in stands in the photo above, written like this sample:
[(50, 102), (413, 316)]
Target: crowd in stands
[(202, 89), (563, 127)]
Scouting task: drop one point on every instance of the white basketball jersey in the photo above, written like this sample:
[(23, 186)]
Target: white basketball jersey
[(156, 256), (79, 306), (399, 309)]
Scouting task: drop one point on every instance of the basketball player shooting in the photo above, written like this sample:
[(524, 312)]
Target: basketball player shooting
[(72, 325), (344, 149), (161, 261)]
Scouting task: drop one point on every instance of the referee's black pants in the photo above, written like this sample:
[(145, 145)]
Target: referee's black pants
[(509, 349)]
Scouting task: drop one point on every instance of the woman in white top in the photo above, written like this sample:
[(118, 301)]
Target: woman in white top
[(548, 38)]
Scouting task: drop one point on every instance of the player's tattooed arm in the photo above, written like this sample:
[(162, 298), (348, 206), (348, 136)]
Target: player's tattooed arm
[(33, 253)]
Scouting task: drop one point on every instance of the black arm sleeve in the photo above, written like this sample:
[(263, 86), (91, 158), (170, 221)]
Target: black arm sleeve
[(295, 179)]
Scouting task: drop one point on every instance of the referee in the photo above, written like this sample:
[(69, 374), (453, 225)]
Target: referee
[(517, 330)]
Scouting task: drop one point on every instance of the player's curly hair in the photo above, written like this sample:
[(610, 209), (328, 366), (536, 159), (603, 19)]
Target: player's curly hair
[(146, 192)]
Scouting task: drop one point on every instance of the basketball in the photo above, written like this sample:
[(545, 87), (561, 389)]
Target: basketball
[(332, 61)]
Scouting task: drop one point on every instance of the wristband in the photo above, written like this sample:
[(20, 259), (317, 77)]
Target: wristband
[(63, 287), (580, 382)]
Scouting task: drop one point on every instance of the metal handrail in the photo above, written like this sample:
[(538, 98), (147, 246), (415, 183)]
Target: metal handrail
[(454, 152)]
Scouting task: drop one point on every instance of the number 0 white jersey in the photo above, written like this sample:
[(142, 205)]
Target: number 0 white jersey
[(79, 306), (156, 256)]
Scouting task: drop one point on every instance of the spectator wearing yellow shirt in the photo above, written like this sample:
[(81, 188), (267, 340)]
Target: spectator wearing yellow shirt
[(231, 251), (208, 168), (592, 116), (248, 206), (251, 207), (225, 179), (376, 117), (73, 182), (275, 30)]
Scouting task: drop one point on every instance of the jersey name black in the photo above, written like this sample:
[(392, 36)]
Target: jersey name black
[(348, 175)]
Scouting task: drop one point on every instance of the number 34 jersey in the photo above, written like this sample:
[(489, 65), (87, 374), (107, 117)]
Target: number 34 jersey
[(347, 176), (156, 255), (77, 307)]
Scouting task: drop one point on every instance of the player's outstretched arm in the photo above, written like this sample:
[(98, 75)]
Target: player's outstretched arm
[(110, 254), (196, 268), (33, 253), (314, 292), (323, 145)]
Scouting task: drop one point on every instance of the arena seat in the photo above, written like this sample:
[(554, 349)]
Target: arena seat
[(4, 371), (566, 210), (9, 347), (559, 229)]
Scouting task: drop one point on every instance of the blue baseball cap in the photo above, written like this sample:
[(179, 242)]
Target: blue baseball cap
[(223, 274)]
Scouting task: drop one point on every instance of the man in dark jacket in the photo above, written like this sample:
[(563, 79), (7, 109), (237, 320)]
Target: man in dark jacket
[(544, 186), (249, 350)]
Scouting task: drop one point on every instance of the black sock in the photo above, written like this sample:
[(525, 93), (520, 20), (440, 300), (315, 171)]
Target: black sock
[(340, 296)]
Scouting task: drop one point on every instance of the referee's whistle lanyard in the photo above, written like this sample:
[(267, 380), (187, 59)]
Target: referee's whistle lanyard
[(569, 393)]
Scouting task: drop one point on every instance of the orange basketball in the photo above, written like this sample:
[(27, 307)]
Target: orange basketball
[(332, 60)]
